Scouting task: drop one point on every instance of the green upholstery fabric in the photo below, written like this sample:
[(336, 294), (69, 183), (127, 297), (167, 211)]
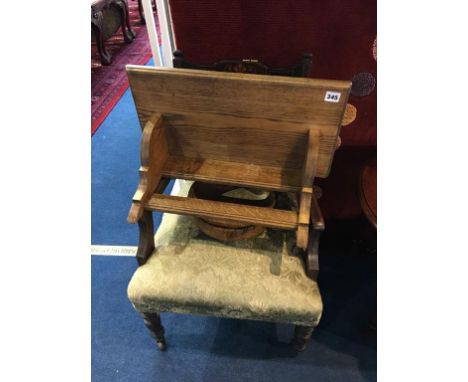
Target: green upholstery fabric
[(254, 279)]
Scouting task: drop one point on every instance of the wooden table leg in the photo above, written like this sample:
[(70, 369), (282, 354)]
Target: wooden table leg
[(140, 11), (127, 31), (96, 26)]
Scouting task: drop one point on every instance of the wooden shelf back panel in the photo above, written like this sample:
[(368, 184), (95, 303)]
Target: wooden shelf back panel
[(263, 118), (214, 138), (266, 217), (234, 173)]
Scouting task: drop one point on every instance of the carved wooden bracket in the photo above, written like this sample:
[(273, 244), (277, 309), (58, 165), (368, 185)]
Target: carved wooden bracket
[(153, 157)]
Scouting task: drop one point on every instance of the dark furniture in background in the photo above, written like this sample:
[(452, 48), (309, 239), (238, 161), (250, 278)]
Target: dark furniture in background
[(106, 18), (140, 10), (247, 65), (367, 190)]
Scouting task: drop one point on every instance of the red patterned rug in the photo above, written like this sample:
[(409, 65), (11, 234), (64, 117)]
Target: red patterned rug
[(108, 83)]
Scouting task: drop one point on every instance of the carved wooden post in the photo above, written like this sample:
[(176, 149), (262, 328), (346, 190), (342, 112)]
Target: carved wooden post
[(318, 226), (146, 228), (312, 263), (146, 241)]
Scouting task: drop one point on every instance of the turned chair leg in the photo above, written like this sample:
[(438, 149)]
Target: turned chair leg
[(302, 334), (153, 323)]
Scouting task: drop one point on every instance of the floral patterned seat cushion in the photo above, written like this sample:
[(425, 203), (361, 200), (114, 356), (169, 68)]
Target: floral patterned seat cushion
[(256, 279)]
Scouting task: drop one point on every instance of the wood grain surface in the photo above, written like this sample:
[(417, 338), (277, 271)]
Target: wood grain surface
[(263, 216), (233, 173), (153, 157), (265, 132), (207, 114)]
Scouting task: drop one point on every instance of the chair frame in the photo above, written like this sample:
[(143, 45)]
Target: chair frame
[(158, 165)]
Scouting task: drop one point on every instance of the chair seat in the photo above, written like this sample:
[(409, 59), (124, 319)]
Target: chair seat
[(255, 279)]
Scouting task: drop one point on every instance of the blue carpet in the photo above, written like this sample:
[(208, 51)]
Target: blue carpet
[(115, 160), (213, 349)]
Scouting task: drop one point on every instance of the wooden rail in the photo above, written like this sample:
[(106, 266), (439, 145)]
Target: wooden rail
[(264, 216)]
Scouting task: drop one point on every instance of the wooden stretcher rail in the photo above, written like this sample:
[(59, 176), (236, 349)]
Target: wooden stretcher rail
[(266, 217)]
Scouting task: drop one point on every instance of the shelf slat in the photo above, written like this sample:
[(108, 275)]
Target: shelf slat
[(264, 216)]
